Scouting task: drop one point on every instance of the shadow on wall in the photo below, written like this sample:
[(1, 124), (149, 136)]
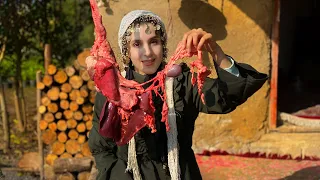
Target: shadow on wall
[(259, 11), (200, 14), (307, 173)]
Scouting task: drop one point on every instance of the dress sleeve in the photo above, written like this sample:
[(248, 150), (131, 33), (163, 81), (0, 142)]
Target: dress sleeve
[(224, 94), (103, 149)]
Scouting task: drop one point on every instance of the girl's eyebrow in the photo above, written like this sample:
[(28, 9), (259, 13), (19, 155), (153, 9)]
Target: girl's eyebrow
[(156, 36), (135, 40)]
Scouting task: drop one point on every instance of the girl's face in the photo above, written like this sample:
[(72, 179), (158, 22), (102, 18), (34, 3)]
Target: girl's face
[(145, 49)]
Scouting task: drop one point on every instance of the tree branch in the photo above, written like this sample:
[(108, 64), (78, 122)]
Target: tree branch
[(3, 48)]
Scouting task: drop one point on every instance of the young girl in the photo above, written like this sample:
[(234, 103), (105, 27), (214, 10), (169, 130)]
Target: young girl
[(142, 41)]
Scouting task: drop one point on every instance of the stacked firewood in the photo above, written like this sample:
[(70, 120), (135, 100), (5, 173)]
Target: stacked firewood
[(66, 110)]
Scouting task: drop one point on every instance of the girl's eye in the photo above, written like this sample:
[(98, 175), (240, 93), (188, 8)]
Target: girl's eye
[(136, 44), (154, 41)]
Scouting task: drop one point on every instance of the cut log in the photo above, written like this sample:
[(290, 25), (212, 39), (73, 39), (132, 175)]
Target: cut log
[(76, 65), (60, 77), (87, 117), (82, 139), (70, 70), (51, 158), (73, 134), (49, 173), (62, 137), (52, 126), (91, 85), (47, 80), (49, 136), (52, 69), (72, 164), (78, 115), (94, 173), (72, 146), (88, 125), (65, 155), (65, 176), (64, 104), (66, 87), (85, 150), (83, 175), (45, 101), (84, 75), (74, 94), (30, 161), (71, 123), (58, 115), (73, 106), (53, 107), (84, 91), (49, 117), (88, 133), (87, 108), (92, 96), (80, 100), (81, 127), (43, 124), (42, 109), (81, 58), (63, 95), (53, 93), (40, 85), (58, 148), (75, 81), (62, 125), (68, 114), (78, 155)]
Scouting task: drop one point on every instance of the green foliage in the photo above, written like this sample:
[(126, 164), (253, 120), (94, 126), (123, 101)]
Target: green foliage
[(30, 68), (29, 24), (86, 39), (6, 70)]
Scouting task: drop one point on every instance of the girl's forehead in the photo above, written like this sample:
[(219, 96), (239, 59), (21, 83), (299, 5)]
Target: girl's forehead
[(144, 31)]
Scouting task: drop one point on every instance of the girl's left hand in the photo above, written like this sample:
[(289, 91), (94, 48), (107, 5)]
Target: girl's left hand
[(198, 39)]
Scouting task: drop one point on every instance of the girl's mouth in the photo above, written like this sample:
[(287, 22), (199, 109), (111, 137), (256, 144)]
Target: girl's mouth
[(148, 62)]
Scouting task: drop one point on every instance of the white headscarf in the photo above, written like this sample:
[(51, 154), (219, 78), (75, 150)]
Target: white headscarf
[(129, 18)]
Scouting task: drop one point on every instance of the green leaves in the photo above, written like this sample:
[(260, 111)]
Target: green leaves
[(25, 26)]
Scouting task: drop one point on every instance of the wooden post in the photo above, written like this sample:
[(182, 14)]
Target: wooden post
[(47, 56), (5, 122), (40, 144), (273, 110)]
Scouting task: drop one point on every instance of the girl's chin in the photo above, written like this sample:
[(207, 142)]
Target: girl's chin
[(149, 70)]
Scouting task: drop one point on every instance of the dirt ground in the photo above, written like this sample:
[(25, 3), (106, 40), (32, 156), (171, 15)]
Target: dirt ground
[(226, 167), (220, 167)]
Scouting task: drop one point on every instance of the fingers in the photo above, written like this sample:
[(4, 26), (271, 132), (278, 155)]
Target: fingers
[(195, 39), (189, 43), (204, 40), (185, 37)]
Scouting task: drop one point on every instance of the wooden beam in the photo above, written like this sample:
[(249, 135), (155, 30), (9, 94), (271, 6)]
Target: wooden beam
[(40, 143), (273, 108)]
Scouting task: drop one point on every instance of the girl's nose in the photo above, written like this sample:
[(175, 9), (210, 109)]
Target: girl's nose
[(147, 50)]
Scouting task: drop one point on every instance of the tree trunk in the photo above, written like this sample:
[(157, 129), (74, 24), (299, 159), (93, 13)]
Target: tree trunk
[(23, 107), (47, 56), (17, 94), (4, 119), (17, 106), (61, 165)]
